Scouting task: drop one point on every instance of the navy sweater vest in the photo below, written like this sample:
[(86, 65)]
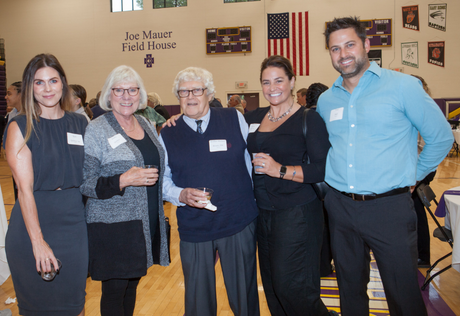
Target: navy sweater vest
[(193, 165)]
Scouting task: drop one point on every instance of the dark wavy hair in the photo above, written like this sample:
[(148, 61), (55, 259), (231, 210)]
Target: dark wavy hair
[(279, 62), (345, 23), (313, 93)]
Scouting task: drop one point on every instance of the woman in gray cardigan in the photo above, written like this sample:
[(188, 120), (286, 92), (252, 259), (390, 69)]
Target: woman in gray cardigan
[(126, 223)]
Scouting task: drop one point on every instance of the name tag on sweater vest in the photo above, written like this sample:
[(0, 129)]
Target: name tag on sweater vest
[(116, 141), (217, 145)]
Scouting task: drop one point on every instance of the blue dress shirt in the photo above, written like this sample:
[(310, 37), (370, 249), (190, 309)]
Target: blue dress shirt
[(171, 192), (373, 132)]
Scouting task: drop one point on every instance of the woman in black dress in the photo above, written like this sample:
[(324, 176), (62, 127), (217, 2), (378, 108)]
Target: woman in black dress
[(44, 148), (290, 222)]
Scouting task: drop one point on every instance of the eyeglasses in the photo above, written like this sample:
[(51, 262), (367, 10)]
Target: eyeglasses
[(118, 92), (198, 92)]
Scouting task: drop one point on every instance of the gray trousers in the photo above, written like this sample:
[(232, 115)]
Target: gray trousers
[(238, 260)]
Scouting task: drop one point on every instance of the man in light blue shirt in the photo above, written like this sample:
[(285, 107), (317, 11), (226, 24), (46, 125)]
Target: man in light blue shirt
[(373, 116)]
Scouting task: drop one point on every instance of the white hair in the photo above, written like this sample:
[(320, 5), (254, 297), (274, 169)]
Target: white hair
[(119, 75), (194, 74)]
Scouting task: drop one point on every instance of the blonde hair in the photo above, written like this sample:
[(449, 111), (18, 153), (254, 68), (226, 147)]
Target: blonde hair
[(154, 98)]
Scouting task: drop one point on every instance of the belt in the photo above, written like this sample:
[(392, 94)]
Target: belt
[(368, 197)]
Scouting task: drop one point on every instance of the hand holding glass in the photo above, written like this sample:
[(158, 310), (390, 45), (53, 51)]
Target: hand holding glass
[(206, 191), (49, 276), (254, 156)]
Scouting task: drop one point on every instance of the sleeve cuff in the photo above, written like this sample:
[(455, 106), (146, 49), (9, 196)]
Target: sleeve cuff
[(108, 187)]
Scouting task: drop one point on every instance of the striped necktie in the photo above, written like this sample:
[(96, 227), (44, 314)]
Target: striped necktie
[(198, 126)]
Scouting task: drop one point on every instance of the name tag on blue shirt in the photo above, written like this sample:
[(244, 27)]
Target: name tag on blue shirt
[(336, 114)]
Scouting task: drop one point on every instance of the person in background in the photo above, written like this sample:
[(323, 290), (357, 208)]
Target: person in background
[(13, 102), (96, 109), (301, 96), (423, 230), (215, 103), (213, 140), (153, 116), (13, 99), (326, 267), (290, 222), (235, 102), (373, 115), (92, 103), (243, 104), (313, 93), (44, 149), (78, 98), (125, 207), (154, 101)]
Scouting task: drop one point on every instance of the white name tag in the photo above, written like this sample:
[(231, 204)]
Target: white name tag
[(116, 141), (74, 139), (336, 114), (217, 145), (253, 128)]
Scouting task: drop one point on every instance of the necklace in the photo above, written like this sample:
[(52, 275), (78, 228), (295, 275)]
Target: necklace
[(276, 119), (130, 130)]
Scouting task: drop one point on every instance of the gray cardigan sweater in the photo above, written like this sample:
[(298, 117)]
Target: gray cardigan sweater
[(102, 160)]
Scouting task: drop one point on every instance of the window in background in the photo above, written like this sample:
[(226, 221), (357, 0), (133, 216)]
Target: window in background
[(127, 5), (158, 4)]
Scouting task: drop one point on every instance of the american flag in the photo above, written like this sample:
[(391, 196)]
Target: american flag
[(288, 37)]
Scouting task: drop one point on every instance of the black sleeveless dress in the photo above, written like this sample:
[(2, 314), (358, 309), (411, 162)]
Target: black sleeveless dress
[(57, 158)]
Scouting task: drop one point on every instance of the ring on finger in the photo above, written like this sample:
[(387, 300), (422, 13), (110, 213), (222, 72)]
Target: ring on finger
[(147, 180), (263, 164), (47, 259)]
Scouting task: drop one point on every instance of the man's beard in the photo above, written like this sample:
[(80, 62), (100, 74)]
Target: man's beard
[(360, 63)]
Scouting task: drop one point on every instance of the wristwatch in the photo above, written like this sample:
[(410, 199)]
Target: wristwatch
[(282, 171)]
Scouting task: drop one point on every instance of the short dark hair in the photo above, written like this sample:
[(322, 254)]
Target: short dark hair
[(313, 93), (18, 86), (345, 23), (278, 62), (302, 91)]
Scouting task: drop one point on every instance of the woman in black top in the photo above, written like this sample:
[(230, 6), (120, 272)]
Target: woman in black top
[(290, 224)]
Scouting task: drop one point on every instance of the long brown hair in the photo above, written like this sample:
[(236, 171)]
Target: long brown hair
[(30, 106)]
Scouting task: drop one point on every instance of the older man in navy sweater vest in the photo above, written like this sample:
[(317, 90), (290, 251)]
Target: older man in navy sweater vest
[(207, 148)]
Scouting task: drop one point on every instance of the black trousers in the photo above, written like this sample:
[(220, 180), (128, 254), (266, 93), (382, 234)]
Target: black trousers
[(237, 255), (289, 243), (387, 226), (118, 297), (423, 230)]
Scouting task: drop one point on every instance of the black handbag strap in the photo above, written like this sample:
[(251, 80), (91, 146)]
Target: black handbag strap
[(304, 130)]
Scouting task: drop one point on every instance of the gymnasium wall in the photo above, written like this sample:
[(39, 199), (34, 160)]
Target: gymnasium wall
[(89, 40)]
